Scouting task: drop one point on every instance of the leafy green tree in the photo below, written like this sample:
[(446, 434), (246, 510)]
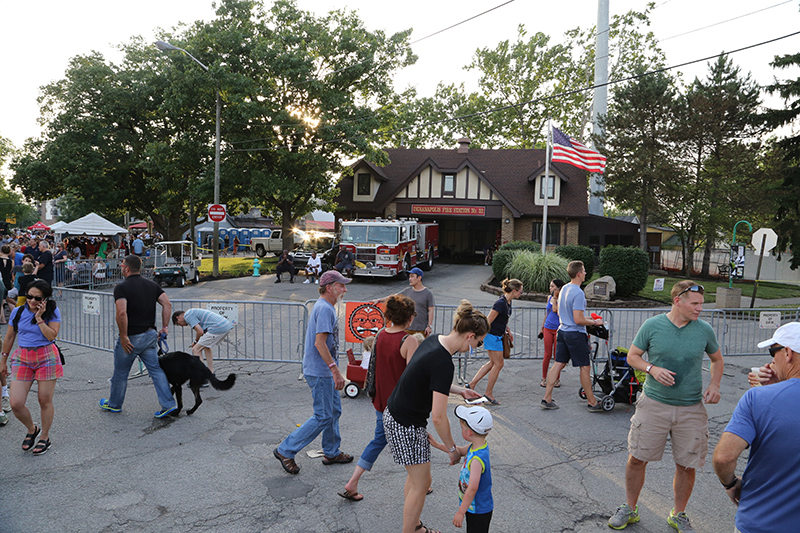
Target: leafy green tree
[(639, 145), (719, 125), (788, 197)]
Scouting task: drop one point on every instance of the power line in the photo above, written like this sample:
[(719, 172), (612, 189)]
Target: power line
[(724, 21), (528, 102)]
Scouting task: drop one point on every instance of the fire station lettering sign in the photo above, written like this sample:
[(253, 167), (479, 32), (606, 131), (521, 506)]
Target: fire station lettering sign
[(475, 211)]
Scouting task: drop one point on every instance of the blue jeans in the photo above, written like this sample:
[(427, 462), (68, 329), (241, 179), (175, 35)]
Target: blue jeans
[(327, 410), (375, 446), (144, 347)]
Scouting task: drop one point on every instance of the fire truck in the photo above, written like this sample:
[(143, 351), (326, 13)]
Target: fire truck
[(387, 248)]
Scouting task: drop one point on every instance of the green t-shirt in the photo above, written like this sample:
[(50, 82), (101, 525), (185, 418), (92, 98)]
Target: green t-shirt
[(679, 350)]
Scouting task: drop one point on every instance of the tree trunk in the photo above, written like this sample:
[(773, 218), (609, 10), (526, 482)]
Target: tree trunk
[(287, 224)]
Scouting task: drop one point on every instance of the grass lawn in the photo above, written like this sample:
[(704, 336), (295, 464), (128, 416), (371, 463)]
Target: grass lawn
[(766, 290), (237, 266)]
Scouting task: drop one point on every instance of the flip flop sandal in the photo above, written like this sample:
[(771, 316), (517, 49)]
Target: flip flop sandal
[(352, 496), (41, 447), (288, 464), (430, 491), (426, 529), (30, 438)]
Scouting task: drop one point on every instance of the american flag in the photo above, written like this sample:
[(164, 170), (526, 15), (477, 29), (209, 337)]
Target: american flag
[(571, 152)]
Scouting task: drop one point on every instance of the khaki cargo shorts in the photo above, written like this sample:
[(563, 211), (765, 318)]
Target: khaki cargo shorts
[(686, 425)]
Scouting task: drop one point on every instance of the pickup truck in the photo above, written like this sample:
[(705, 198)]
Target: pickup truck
[(321, 242), (273, 243)]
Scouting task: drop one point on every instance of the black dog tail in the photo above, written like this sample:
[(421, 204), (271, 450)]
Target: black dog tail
[(222, 385)]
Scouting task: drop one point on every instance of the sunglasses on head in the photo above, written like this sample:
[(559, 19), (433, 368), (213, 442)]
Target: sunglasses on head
[(37, 298), (775, 349), (693, 288)]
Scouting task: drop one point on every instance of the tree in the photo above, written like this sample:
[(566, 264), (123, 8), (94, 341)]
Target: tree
[(639, 145), (529, 80), (788, 197), (720, 129)]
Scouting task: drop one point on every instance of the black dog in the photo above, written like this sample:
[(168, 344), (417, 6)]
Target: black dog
[(181, 367)]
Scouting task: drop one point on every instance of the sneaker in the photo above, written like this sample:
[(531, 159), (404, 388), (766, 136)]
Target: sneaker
[(316, 282), (548, 405), (165, 412), (3, 418), (623, 516), (6, 404), (680, 521), (105, 407), (278, 280), (596, 408), (306, 281)]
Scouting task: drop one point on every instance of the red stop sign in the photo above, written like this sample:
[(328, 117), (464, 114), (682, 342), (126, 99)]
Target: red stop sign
[(216, 213)]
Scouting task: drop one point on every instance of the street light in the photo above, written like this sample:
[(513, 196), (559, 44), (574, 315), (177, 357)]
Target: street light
[(165, 47)]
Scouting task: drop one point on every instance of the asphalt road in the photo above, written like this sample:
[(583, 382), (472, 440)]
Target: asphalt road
[(553, 471)]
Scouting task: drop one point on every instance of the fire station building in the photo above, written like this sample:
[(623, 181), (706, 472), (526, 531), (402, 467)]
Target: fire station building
[(479, 198)]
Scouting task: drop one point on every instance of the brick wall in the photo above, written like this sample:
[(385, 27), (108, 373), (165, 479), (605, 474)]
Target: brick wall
[(507, 230), (572, 232)]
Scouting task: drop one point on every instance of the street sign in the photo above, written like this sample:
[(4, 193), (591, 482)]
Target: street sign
[(216, 212), (769, 243)]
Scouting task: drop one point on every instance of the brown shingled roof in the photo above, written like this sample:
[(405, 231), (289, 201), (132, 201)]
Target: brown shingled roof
[(509, 172)]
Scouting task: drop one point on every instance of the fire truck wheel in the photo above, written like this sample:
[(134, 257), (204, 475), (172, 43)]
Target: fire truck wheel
[(427, 265)]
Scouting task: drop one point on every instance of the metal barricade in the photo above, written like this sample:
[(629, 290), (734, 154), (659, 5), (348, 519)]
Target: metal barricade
[(89, 274), (265, 331)]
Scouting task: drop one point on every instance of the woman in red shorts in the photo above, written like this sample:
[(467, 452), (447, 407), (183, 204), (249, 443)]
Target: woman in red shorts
[(36, 324)]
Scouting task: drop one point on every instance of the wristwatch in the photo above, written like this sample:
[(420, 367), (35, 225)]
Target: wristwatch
[(647, 370)]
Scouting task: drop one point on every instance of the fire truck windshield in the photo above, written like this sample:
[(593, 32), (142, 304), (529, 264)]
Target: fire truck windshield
[(370, 234)]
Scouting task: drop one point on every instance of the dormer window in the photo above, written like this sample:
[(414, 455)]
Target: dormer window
[(363, 186), (449, 184), (551, 188)]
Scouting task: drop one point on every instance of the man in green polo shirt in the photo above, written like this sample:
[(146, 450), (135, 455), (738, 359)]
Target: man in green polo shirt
[(672, 401)]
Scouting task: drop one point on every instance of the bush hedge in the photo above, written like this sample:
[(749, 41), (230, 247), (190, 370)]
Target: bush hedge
[(578, 253), (522, 245), (628, 267), (500, 260)]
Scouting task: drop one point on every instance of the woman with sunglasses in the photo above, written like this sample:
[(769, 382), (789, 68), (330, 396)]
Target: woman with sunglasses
[(498, 320), (421, 392), (37, 358)]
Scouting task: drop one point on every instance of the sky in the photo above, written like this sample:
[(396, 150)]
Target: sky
[(38, 38)]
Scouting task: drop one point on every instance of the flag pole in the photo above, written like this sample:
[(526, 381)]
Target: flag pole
[(545, 185)]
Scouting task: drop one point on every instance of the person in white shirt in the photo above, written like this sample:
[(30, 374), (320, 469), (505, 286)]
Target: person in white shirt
[(313, 268)]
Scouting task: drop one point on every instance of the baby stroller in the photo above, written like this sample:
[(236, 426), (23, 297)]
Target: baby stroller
[(617, 381)]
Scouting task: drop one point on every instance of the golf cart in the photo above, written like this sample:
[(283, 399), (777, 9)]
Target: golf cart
[(175, 262)]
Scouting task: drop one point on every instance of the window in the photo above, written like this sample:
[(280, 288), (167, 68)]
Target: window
[(449, 184), (553, 232), (551, 188), (364, 182)]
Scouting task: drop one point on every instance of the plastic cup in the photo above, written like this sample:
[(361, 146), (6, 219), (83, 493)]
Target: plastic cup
[(755, 370)]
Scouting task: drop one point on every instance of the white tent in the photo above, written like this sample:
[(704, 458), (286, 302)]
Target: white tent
[(92, 224), (57, 226)]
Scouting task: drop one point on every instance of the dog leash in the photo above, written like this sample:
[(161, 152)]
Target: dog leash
[(163, 347)]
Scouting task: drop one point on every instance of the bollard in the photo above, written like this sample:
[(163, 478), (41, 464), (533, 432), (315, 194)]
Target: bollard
[(256, 267)]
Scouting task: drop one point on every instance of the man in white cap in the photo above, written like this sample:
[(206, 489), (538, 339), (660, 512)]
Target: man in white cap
[(323, 377), (766, 420)]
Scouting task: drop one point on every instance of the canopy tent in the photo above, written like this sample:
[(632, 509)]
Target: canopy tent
[(92, 224), (57, 226), (138, 225), (39, 226)]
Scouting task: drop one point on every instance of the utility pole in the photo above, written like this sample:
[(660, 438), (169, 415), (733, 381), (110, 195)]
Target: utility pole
[(600, 100)]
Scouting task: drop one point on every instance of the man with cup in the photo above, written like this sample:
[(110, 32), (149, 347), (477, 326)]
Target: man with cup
[(766, 420)]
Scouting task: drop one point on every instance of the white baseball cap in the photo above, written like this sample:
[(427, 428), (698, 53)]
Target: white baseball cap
[(787, 335), (479, 419)]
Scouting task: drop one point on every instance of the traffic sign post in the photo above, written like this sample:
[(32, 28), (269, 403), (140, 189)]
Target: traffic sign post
[(763, 241)]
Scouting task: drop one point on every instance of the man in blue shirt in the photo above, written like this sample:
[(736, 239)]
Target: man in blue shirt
[(210, 328), (323, 377), (138, 246), (767, 421), (572, 342)]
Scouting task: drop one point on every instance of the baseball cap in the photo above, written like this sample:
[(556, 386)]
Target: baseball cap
[(417, 271), (333, 276), (787, 335), (479, 419)]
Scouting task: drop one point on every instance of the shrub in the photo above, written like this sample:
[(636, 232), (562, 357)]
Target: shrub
[(500, 260), (628, 267), (578, 253), (522, 245), (535, 270)]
